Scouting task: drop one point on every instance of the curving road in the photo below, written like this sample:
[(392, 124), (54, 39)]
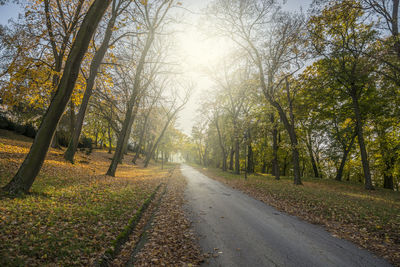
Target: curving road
[(241, 231)]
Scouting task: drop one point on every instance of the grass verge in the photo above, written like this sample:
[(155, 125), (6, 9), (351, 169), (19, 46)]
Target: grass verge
[(370, 219), (74, 212)]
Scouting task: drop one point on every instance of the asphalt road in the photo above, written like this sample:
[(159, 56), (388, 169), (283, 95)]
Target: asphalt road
[(242, 231)]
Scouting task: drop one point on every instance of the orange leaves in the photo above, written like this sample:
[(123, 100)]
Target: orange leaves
[(73, 212), (170, 241)]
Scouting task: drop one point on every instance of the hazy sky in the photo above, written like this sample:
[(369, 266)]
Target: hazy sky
[(197, 52), (188, 116)]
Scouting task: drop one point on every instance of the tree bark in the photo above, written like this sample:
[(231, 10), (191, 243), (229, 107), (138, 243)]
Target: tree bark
[(250, 158), (94, 66), (395, 26), (33, 162), (127, 136), (231, 159), (72, 117), (237, 157), (360, 134), (275, 147)]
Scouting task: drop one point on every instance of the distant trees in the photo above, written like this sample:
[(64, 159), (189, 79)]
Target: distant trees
[(152, 18), (323, 83)]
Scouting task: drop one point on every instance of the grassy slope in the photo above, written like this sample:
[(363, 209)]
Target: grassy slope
[(74, 211), (371, 219)]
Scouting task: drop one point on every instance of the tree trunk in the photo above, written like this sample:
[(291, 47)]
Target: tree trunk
[(94, 66), (142, 133), (250, 159), (221, 144), (109, 139), (237, 157), (395, 26), (311, 152), (128, 135), (72, 117), (275, 147), (152, 150), (346, 152), (139, 146), (125, 126), (231, 159), (360, 134), (33, 162), (55, 139), (121, 138)]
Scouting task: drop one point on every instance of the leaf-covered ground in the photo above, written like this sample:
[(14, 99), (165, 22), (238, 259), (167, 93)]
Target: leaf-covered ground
[(171, 241), (74, 211), (163, 237), (370, 219)]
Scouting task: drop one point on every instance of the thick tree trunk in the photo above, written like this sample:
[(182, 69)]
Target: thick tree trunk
[(250, 159), (275, 147), (94, 66), (363, 150), (237, 157), (231, 159), (388, 179), (33, 162), (127, 136), (395, 26), (121, 138)]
